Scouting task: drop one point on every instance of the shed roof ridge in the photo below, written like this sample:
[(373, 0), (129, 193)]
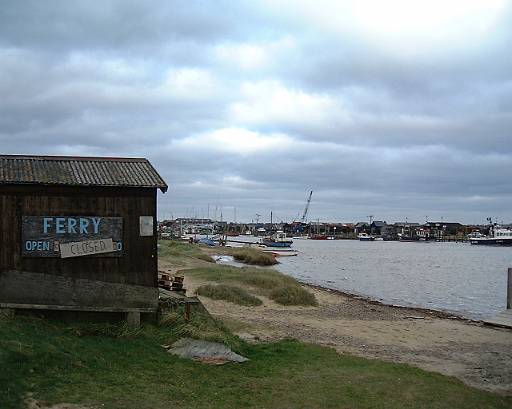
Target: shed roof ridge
[(79, 171), (75, 158)]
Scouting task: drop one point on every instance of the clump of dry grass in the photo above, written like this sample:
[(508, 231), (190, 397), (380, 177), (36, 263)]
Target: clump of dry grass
[(254, 256), (293, 295), (232, 294), (283, 289)]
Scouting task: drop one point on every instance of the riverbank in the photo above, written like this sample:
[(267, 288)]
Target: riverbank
[(90, 366), (479, 356)]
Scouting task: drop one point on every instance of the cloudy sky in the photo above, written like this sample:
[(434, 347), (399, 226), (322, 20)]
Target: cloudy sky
[(396, 109)]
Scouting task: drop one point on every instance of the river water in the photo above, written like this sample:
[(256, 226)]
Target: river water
[(455, 277)]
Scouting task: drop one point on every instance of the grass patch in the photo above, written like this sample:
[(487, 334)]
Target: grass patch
[(229, 293), (179, 249), (281, 288), (57, 365), (253, 256), (292, 296)]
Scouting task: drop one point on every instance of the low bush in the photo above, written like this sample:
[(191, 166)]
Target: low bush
[(281, 288), (232, 294), (253, 256), (293, 295)]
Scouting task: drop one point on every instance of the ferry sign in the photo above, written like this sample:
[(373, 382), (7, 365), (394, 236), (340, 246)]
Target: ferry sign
[(47, 236)]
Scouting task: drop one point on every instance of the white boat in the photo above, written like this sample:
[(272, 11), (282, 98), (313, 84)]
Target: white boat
[(278, 239), (497, 237), (365, 237)]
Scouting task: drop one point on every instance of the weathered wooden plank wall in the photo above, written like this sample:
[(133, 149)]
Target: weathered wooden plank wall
[(137, 265), (19, 287)]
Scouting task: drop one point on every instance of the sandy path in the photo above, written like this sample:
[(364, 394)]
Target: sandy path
[(478, 355)]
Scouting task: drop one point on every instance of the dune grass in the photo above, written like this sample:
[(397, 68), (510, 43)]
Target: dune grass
[(229, 293), (281, 288), (253, 256), (118, 369), (292, 296)]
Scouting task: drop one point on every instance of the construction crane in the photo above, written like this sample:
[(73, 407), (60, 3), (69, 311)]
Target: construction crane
[(303, 218)]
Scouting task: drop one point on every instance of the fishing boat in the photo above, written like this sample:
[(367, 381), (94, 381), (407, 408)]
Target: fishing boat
[(365, 237), (278, 239), (497, 237)]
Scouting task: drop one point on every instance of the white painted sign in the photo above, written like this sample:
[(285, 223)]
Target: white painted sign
[(146, 225), (86, 248)]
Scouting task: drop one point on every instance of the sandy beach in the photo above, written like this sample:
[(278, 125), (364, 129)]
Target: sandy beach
[(479, 355)]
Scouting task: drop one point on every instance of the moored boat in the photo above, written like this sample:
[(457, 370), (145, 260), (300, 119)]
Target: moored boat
[(278, 239), (365, 237), (497, 237)]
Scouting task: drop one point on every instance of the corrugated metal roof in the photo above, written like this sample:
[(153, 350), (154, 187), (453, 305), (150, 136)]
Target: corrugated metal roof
[(79, 171)]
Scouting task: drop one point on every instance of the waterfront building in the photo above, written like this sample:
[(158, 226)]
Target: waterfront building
[(79, 234)]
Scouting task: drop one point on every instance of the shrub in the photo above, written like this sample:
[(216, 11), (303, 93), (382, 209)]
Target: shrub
[(281, 288), (293, 295), (253, 256)]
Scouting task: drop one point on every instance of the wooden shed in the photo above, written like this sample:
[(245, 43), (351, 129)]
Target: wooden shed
[(78, 233)]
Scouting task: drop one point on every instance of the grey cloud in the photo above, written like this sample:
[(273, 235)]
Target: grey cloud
[(426, 135)]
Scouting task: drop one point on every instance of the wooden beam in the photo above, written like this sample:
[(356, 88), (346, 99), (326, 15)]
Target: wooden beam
[(73, 308)]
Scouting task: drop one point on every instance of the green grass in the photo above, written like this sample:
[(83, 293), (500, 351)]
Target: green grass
[(229, 293), (179, 249), (118, 369), (253, 256), (281, 288)]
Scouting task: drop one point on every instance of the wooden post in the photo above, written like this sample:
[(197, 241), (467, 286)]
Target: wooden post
[(187, 312), (133, 319), (509, 288)]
